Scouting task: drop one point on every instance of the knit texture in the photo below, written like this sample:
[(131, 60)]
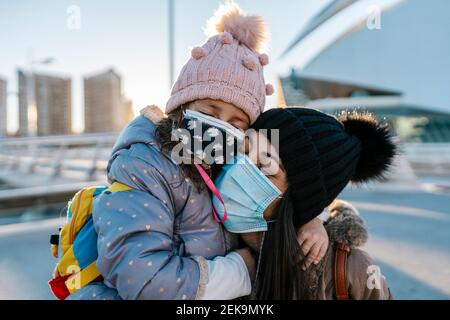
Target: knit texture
[(227, 67), (318, 155)]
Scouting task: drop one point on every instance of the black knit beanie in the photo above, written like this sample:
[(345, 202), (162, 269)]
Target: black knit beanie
[(321, 153)]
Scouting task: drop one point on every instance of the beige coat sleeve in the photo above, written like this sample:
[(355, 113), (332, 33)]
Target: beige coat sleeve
[(364, 278)]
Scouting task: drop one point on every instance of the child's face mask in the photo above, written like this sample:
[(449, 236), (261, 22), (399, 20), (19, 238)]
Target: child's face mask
[(209, 139), (246, 192)]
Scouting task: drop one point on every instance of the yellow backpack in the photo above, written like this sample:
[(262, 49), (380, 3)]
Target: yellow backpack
[(76, 243)]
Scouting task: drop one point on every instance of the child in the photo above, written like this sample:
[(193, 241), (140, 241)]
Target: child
[(159, 240)]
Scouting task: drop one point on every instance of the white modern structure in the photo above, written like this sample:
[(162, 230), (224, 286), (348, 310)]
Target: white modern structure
[(391, 57)]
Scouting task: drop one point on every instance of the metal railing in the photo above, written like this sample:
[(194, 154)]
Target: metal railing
[(85, 156), (58, 166), (82, 157)]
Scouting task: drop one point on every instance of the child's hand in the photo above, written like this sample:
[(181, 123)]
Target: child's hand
[(313, 240)]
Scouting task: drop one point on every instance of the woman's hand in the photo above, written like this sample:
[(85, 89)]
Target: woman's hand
[(313, 240)]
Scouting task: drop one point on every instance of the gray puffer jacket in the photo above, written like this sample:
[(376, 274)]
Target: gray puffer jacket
[(153, 239)]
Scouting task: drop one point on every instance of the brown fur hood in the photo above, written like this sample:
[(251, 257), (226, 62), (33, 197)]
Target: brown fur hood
[(345, 224)]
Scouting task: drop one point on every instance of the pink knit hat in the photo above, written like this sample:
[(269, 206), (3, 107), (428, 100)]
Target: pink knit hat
[(228, 66)]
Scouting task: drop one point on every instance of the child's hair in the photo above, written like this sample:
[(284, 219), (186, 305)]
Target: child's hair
[(164, 129)]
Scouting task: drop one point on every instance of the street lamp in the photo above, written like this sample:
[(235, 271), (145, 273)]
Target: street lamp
[(171, 25)]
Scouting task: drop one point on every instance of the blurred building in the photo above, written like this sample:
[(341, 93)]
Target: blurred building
[(128, 109), (3, 110), (45, 104), (399, 72), (105, 109)]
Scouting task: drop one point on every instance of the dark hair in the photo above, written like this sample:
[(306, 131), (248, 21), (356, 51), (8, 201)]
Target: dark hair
[(164, 133), (280, 276)]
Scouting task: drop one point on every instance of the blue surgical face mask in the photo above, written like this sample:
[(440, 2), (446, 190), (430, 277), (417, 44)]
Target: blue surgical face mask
[(246, 192)]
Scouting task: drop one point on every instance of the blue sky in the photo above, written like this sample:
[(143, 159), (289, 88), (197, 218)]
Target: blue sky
[(130, 36)]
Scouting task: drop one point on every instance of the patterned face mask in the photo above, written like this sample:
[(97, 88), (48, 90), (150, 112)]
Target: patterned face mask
[(208, 139)]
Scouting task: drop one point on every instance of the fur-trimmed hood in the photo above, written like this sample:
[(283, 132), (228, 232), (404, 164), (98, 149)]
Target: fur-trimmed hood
[(345, 224)]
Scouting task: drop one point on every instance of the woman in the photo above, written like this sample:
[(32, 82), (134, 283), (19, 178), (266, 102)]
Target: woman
[(317, 156)]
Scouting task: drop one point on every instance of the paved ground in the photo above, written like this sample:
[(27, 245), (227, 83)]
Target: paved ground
[(410, 238), (25, 260)]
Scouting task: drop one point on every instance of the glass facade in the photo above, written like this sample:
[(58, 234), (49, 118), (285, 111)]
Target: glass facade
[(410, 123)]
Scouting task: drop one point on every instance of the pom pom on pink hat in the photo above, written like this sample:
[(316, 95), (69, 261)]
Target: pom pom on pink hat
[(229, 66)]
